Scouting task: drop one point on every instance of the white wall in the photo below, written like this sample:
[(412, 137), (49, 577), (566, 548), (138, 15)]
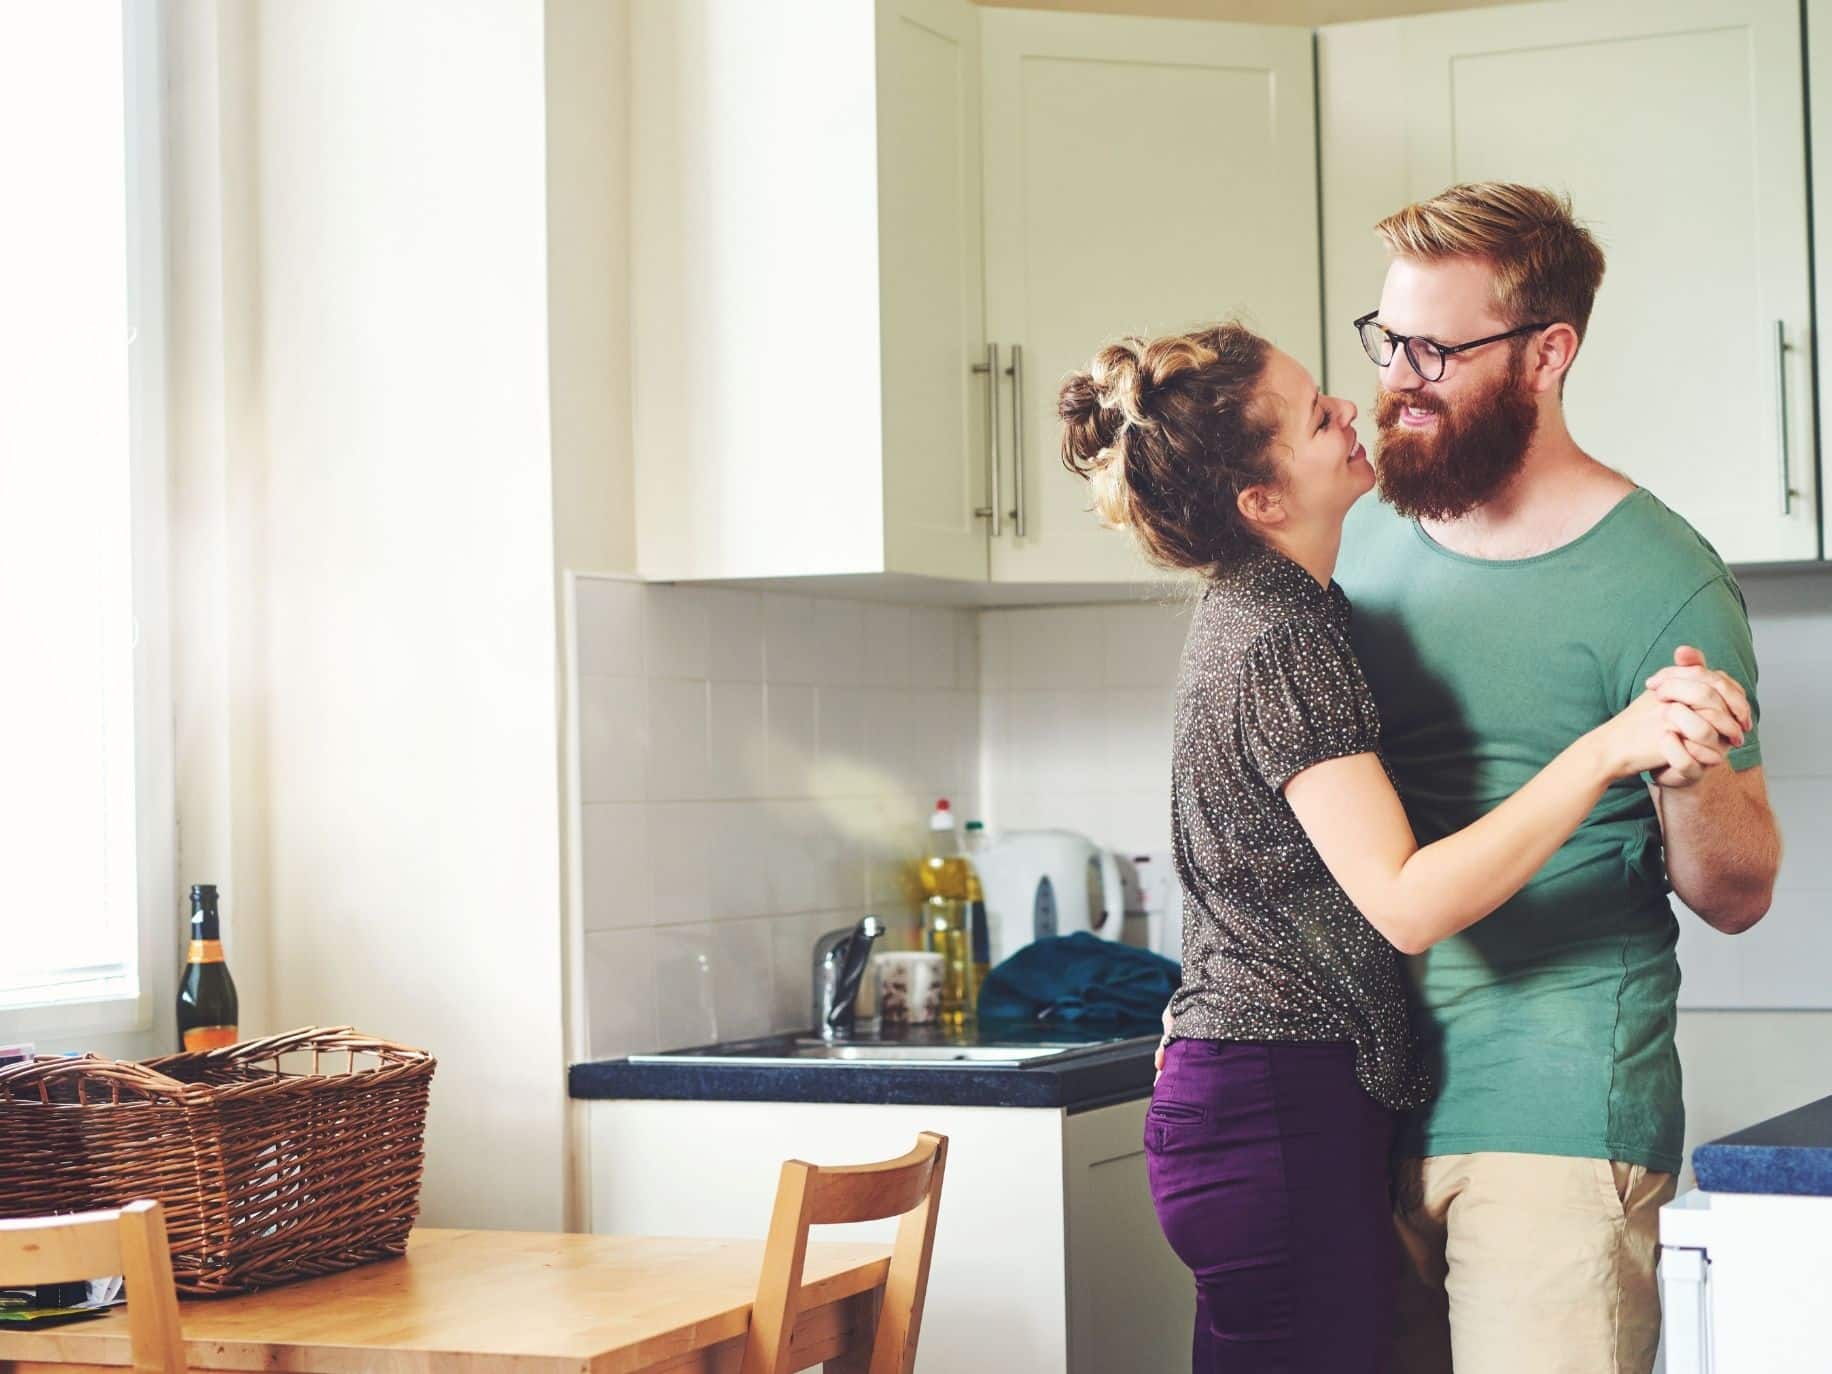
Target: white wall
[(754, 770), (1076, 726), (396, 498)]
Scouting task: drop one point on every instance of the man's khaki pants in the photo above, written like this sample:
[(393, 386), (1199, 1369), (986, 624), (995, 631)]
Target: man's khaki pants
[(1526, 1264)]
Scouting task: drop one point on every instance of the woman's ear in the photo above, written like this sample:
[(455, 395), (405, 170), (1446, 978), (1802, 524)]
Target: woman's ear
[(1260, 505)]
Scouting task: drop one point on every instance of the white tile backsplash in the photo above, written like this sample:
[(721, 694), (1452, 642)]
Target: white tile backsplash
[(839, 643), (714, 981), (966, 651), (790, 739), (680, 746), (1142, 644), (616, 867), (886, 642), (757, 768), (614, 738), (677, 631), (934, 636), (738, 767), (742, 838), (680, 851), (1057, 648), (791, 649), (1137, 736), (686, 990), (843, 762), (1796, 731), (620, 986), (608, 616), (735, 631)]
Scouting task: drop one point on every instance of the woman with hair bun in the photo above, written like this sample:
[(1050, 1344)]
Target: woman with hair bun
[(1287, 1051)]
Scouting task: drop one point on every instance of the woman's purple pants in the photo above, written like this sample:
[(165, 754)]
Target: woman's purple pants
[(1268, 1165)]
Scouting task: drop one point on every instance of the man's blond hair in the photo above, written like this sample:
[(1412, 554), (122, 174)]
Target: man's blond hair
[(1547, 266)]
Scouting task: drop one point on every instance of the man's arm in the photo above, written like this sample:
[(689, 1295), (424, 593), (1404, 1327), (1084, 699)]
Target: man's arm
[(1723, 848)]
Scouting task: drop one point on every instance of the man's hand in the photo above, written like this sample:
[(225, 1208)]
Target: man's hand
[(1720, 842), (1715, 696)]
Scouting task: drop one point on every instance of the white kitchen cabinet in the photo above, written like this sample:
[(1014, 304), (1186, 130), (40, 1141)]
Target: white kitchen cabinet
[(1678, 128), (1048, 1257), (1142, 176), (1819, 83), (816, 283), (806, 289), (1743, 1283)]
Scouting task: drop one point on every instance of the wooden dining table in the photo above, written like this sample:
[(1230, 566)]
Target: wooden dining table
[(504, 1302)]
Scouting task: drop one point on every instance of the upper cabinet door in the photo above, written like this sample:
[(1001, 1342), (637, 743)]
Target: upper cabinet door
[(1678, 128), (1819, 82), (1141, 176), (931, 289), (806, 289)]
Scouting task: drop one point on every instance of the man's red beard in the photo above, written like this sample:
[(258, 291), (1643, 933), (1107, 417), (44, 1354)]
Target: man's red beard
[(1473, 451)]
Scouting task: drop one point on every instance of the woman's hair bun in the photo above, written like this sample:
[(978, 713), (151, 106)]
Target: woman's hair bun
[(1166, 435), (1095, 407)]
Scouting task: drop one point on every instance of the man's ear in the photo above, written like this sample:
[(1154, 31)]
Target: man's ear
[(1260, 505), (1555, 350)]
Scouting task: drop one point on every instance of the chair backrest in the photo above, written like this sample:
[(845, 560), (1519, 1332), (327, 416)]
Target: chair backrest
[(809, 1195), (130, 1242)]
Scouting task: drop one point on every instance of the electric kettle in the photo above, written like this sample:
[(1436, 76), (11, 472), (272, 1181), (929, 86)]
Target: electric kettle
[(1042, 883)]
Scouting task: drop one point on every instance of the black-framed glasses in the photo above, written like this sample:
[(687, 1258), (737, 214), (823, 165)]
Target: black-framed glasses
[(1426, 355)]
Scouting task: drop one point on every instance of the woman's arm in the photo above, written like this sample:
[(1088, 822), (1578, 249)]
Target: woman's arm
[(1416, 897)]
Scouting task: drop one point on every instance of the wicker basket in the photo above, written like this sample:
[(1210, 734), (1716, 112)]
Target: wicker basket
[(276, 1159)]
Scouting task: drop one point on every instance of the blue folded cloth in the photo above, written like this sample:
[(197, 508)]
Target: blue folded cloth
[(1079, 979)]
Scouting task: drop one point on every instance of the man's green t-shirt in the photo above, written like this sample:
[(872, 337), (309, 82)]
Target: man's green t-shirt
[(1547, 1027)]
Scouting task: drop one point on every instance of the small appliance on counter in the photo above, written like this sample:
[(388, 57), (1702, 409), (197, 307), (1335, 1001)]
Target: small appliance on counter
[(1044, 883), (1156, 894)]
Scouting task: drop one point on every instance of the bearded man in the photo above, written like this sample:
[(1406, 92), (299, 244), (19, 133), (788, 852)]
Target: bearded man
[(1528, 593)]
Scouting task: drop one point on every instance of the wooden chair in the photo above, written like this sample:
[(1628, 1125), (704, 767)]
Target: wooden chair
[(89, 1245), (809, 1195)]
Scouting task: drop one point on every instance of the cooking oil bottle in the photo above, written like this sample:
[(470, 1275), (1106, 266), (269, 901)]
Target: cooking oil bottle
[(949, 890)]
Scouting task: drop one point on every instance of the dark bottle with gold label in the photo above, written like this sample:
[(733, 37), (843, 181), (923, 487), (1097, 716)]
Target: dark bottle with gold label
[(207, 1007)]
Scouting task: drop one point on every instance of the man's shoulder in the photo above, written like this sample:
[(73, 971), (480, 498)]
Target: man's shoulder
[(1653, 530)]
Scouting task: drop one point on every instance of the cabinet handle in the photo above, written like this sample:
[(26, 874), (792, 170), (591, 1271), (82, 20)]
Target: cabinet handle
[(991, 511), (1017, 437), (1781, 352)]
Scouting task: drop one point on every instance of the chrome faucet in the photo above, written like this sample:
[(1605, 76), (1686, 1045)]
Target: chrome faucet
[(839, 964)]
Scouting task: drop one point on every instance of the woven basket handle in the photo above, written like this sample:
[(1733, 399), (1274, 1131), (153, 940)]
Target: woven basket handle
[(116, 1073), (317, 1040)]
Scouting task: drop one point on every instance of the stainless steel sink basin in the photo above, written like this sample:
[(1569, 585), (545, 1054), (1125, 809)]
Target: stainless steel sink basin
[(806, 1052), (938, 1054)]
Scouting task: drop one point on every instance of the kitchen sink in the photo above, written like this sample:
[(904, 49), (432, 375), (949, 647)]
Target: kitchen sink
[(804, 1051), (939, 1054)]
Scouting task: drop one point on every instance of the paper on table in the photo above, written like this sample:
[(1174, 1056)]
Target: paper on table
[(51, 1304)]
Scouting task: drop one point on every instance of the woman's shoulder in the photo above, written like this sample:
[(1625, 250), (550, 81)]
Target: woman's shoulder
[(1246, 637), (1267, 600)]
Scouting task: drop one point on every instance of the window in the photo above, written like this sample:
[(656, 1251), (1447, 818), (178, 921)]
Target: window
[(86, 832)]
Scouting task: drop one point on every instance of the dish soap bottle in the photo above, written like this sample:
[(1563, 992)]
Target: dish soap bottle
[(981, 940)]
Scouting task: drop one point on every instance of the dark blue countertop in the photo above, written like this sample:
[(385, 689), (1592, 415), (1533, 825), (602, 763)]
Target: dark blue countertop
[(1094, 1078), (1791, 1153)]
